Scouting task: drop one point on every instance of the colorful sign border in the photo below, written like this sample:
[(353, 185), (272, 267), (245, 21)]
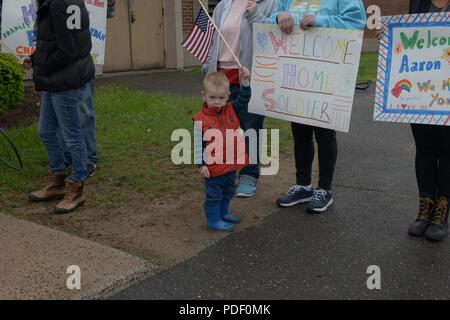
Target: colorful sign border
[(384, 67)]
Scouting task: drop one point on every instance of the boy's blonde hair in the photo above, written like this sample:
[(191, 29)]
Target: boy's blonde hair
[(216, 80)]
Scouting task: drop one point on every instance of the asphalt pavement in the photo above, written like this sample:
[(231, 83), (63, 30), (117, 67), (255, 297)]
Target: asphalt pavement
[(295, 255)]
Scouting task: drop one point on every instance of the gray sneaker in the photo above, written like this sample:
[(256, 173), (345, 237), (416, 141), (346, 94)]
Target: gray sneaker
[(294, 196), (320, 202)]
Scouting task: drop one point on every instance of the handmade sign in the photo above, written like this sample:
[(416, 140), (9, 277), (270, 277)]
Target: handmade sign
[(307, 77), (413, 83), (18, 17)]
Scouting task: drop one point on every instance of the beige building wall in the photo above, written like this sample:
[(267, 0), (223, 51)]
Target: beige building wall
[(148, 34)]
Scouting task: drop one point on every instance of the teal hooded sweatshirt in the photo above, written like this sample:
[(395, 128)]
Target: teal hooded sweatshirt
[(338, 14)]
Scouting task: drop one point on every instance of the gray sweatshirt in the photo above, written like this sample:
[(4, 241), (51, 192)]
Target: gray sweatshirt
[(263, 11)]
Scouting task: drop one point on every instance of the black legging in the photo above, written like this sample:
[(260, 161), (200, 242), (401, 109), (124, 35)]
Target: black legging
[(304, 154), (432, 159)]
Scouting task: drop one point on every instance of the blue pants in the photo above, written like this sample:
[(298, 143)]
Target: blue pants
[(250, 174), (220, 188), (60, 111), (87, 117)]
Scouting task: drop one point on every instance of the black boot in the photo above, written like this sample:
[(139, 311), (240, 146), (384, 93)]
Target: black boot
[(438, 229), (418, 227)]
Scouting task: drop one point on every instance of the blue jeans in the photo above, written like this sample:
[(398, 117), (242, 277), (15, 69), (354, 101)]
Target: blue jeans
[(87, 117), (60, 111), (221, 187), (250, 174)]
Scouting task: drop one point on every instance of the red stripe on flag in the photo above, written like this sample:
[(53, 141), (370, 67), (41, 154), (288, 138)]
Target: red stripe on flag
[(205, 44), (208, 44), (198, 42), (193, 36), (190, 37), (204, 47)]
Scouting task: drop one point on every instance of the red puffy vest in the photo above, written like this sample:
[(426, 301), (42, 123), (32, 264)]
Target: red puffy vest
[(226, 119)]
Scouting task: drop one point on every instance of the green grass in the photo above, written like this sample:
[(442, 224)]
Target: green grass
[(197, 71), (368, 67), (134, 143)]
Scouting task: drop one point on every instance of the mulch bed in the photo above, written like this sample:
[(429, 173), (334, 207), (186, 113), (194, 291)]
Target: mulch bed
[(22, 115)]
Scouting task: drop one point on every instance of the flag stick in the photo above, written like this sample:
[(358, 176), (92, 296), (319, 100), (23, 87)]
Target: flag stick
[(3, 45), (220, 34)]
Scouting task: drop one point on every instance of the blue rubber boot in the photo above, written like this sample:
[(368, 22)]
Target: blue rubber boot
[(226, 215), (214, 219)]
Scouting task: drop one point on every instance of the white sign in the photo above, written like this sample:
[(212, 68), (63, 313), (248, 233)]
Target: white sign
[(307, 77), (18, 17)]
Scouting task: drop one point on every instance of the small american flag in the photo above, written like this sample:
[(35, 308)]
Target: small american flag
[(198, 42)]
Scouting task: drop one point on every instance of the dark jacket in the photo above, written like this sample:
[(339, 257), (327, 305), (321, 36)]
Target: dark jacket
[(419, 6), (62, 60)]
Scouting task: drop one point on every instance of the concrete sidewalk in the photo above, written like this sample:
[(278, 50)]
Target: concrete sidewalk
[(34, 261)]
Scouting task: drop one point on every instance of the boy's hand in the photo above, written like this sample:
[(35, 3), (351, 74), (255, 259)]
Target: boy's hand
[(245, 76), (285, 22), (251, 6), (307, 22), (204, 172)]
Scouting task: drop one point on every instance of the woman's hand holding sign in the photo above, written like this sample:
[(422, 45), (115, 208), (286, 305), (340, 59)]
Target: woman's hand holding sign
[(285, 22), (307, 22)]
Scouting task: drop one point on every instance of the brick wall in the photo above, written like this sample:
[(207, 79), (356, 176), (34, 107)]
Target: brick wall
[(188, 15), (388, 8)]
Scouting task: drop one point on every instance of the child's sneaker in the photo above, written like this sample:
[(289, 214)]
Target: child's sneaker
[(320, 202), (295, 195), (245, 190)]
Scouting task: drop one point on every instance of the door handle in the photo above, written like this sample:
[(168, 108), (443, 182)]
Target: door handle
[(132, 16)]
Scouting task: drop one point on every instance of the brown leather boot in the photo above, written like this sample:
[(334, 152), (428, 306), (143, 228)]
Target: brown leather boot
[(54, 189), (438, 229), (73, 198)]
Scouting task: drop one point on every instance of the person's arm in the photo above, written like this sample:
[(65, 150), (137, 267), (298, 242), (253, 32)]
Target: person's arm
[(199, 151), (279, 7), (259, 16), (202, 150), (216, 19), (111, 12), (240, 104), (66, 48), (351, 15)]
